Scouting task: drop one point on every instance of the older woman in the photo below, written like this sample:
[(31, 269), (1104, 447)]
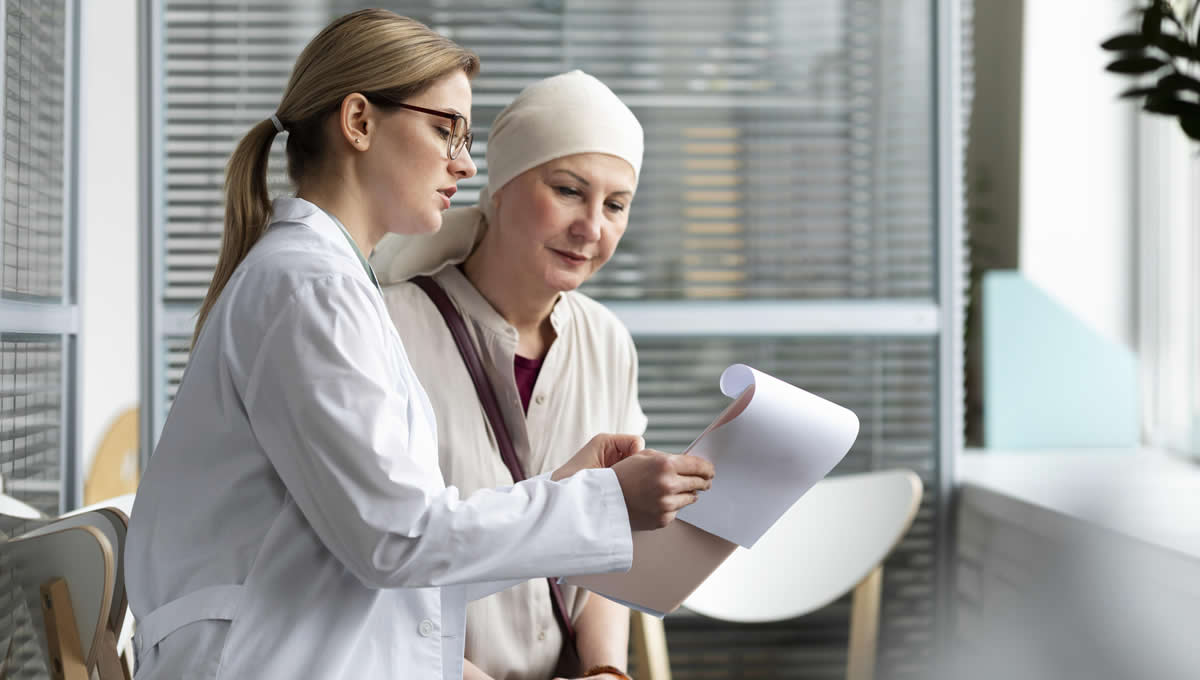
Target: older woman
[(563, 162)]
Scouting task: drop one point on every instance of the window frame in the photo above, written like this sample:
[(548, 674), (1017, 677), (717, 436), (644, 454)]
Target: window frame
[(61, 318), (1168, 256)]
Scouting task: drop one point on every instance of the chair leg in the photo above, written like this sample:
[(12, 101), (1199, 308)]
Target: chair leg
[(650, 647), (125, 644), (62, 638), (127, 663), (108, 661), (864, 626)]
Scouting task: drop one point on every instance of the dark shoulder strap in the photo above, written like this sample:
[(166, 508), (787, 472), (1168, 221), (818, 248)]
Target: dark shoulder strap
[(491, 407), (483, 388)]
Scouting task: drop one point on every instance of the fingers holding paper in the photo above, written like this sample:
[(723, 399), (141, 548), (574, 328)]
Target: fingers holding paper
[(657, 485)]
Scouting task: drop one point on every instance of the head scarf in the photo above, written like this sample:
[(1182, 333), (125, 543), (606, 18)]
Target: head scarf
[(563, 115)]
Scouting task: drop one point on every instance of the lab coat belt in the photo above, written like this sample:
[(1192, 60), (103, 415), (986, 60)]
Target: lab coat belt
[(213, 602)]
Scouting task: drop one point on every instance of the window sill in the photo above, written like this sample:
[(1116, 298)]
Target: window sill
[(1145, 494)]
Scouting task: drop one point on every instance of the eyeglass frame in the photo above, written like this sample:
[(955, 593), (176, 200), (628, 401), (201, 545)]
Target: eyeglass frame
[(468, 138)]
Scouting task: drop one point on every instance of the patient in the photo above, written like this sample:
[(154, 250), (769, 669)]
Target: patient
[(563, 162)]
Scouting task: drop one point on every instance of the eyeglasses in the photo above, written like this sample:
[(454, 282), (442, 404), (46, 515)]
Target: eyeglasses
[(460, 136)]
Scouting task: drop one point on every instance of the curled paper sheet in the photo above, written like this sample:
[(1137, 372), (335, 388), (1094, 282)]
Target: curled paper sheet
[(770, 446), (773, 443)]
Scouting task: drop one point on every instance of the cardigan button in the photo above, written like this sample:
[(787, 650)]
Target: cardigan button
[(540, 399)]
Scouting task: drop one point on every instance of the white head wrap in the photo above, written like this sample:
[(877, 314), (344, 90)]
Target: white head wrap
[(563, 115)]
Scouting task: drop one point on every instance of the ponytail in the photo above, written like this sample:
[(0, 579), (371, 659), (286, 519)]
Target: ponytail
[(368, 51), (247, 209)]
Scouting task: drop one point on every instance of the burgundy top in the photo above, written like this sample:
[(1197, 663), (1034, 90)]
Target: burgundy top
[(526, 371)]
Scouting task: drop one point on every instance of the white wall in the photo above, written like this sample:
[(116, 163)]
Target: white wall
[(109, 219), (1077, 183)]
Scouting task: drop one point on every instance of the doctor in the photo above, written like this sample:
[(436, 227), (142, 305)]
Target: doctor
[(293, 521)]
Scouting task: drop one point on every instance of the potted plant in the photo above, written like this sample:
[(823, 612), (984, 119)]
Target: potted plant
[(1163, 55)]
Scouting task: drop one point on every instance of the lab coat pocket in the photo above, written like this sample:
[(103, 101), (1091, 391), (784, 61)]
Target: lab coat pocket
[(184, 637), (236, 659), (191, 653), (232, 636)]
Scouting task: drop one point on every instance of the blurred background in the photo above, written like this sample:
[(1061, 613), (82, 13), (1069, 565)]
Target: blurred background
[(934, 212)]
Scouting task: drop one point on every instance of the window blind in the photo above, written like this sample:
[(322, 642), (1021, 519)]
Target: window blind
[(776, 167), (31, 417), (39, 334), (33, 142), (37, 327), (790, 159)]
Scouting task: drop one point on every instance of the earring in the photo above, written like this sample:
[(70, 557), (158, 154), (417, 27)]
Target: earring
[(357, 140)]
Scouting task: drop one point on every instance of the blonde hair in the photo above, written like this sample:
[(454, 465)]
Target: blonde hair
[(386, 57)]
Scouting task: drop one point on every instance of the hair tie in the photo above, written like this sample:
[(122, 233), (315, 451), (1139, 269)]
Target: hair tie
[(275, 121)]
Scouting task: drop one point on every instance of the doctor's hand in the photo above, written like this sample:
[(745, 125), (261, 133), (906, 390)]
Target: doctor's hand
[(657, 485), (604, 450)]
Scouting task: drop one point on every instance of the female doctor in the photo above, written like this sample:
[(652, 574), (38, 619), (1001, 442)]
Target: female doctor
[(293, 521)]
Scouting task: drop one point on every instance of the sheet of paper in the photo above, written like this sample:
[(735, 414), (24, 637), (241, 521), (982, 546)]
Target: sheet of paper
[(770, 446), (773, 443)]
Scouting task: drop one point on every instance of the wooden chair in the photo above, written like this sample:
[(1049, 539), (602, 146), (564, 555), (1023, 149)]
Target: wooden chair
[(64, 580), (117, 511), (833, 541), (115, 469)]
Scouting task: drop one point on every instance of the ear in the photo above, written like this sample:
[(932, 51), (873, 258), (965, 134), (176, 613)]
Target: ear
[(357, 121)]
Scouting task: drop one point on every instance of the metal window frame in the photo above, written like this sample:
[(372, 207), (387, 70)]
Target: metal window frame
[(151, 169), (74, 242), (950, 129), (62, 319)]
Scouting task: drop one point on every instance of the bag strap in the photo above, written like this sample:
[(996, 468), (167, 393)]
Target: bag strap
[(491, 407)]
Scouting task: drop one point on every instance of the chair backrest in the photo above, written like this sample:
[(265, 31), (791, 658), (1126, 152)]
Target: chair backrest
[(124, 503), (823, 547), (114, 524), (80, 555), (115, 470)]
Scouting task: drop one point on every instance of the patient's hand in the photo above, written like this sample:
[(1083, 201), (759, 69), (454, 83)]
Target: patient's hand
[(604, 450)]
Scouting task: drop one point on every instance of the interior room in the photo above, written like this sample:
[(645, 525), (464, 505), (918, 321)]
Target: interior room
[(968, 228)]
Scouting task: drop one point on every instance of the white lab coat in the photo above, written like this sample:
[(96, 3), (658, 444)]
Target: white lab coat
[(293, 521)]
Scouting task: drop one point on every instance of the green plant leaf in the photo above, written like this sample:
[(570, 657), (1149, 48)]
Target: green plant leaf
[(1140, 91), (1168, 105), (1174, 46), (1152, 21), (1135, 92), (1178, 81), (1136, 64), (1125, 42), (1191, 126)]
